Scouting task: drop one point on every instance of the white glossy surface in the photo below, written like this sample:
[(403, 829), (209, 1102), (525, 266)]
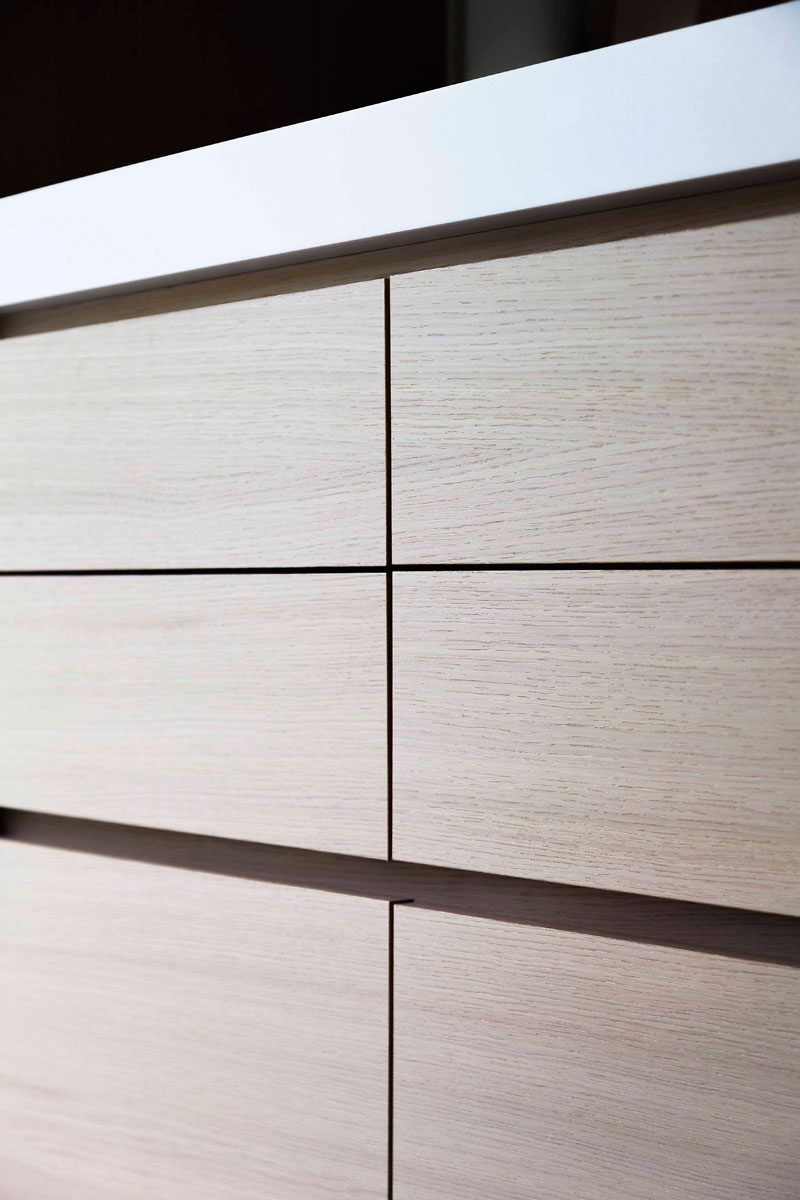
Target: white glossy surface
[(701, 102)]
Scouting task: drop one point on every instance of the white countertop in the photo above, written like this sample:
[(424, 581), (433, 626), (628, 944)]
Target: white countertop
[(699, 108)]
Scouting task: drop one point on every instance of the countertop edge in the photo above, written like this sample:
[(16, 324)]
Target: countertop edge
[(706, 107)]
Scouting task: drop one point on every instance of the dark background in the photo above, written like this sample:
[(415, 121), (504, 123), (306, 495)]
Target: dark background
[(87, 85)]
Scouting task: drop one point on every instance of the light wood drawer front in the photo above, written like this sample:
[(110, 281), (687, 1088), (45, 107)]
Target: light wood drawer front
[(538, 1063), (171, 1034), (244, 706), (634, 399), (246, 434), (633, 730)]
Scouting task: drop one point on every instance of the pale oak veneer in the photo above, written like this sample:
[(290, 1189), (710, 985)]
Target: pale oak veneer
[(168, 1034), (244, 706), (537, 1063), (249, 434), (632, 730), (634, 399)]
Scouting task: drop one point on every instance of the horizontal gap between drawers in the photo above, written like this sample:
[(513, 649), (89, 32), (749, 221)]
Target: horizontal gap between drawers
[(682, 924), (102, 571), (646, 565)]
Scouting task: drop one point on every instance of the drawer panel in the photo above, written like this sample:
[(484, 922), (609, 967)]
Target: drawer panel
[(630, 400), (535, 1062), (244, 706), (633, 730), (246, 434), (172, 1034)]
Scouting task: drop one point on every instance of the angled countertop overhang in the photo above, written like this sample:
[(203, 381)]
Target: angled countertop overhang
[(699, 108)]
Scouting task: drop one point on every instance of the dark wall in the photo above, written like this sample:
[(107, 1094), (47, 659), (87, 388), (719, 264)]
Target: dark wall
[(87, 85)]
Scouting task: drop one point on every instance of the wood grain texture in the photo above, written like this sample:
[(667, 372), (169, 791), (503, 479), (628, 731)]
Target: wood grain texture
[(245, 435), (635, 399), (539, 1063), (171, 1034), (632, 730), (245, 706)]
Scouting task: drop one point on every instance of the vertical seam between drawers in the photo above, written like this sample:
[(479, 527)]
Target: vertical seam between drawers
[(390, 1072), (387, 380), (387, 349), (389, 713), (390, 1066)]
